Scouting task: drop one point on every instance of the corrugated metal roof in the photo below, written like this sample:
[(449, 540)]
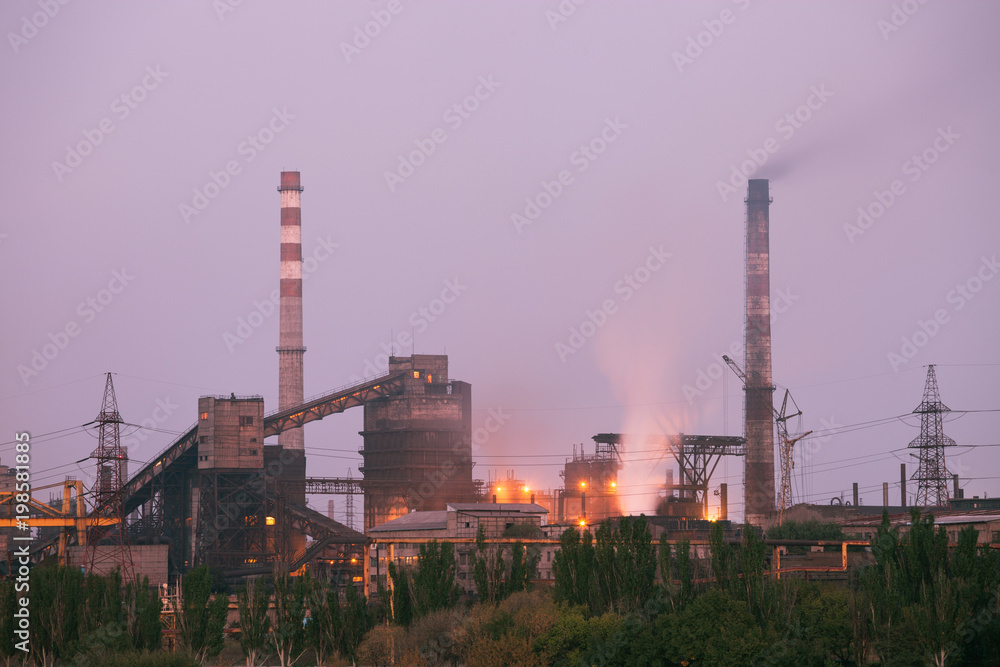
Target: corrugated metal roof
[(524, 508), (429, 520)]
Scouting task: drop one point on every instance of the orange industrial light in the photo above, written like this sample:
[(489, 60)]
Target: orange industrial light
[(583, 523), (583, 484)]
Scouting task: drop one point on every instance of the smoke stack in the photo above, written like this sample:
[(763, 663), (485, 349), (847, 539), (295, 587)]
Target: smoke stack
[(290, 348), (759, 488), (902, 485)]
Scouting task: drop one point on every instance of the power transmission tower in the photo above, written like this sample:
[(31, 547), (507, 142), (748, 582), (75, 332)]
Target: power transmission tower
[(932, 475), (108, 545)]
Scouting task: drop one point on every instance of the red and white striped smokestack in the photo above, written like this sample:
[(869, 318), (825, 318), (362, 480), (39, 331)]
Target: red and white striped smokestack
[(759, 483), (290, 348)]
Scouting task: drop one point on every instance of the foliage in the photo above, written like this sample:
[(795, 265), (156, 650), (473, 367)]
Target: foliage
[(357, 620), (433, 584), (255, 624), (56, 594), (402, 598), (573, 568), (288, 635), (812, 529), (141, 609), (488, 570), (202, 618)]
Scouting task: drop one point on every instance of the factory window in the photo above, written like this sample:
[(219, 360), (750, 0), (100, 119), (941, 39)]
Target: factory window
[(996, 536), (416, 375), (550, 556), (253, 439), (463, 559), (246, 421), (204, 415), (461, 575), (203, 439)]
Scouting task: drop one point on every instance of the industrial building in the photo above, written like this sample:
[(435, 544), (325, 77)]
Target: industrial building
[(400, 539), (218, 495)]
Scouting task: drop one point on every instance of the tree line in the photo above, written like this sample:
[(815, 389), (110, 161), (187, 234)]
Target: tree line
[(618, 598)]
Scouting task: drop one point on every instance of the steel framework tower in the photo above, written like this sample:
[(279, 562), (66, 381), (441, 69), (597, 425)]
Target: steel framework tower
[(932, 475), (759, 483), (111, 461)]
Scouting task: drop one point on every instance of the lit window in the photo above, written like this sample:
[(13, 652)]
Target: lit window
[(269, 520), (416, 375), (204, 415), (430, 377)]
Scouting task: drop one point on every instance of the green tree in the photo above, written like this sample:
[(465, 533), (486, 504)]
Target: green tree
[(684, 569), (723, 562), (488, 569), (715, 629), (358, 620), (288, 634), (202, 620), (635, 562), (253, 601), (325, 629), (56, 593), (573, 568), (433, 583), (8, 622), (141, 615), (402, 597)]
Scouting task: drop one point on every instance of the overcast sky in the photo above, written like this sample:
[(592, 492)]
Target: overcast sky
[(542, 165)]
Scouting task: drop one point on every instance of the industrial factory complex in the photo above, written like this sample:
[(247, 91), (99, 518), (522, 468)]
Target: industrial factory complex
[(218, 495)]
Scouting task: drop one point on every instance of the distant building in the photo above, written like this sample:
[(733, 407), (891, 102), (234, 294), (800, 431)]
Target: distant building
[(399, 540)]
